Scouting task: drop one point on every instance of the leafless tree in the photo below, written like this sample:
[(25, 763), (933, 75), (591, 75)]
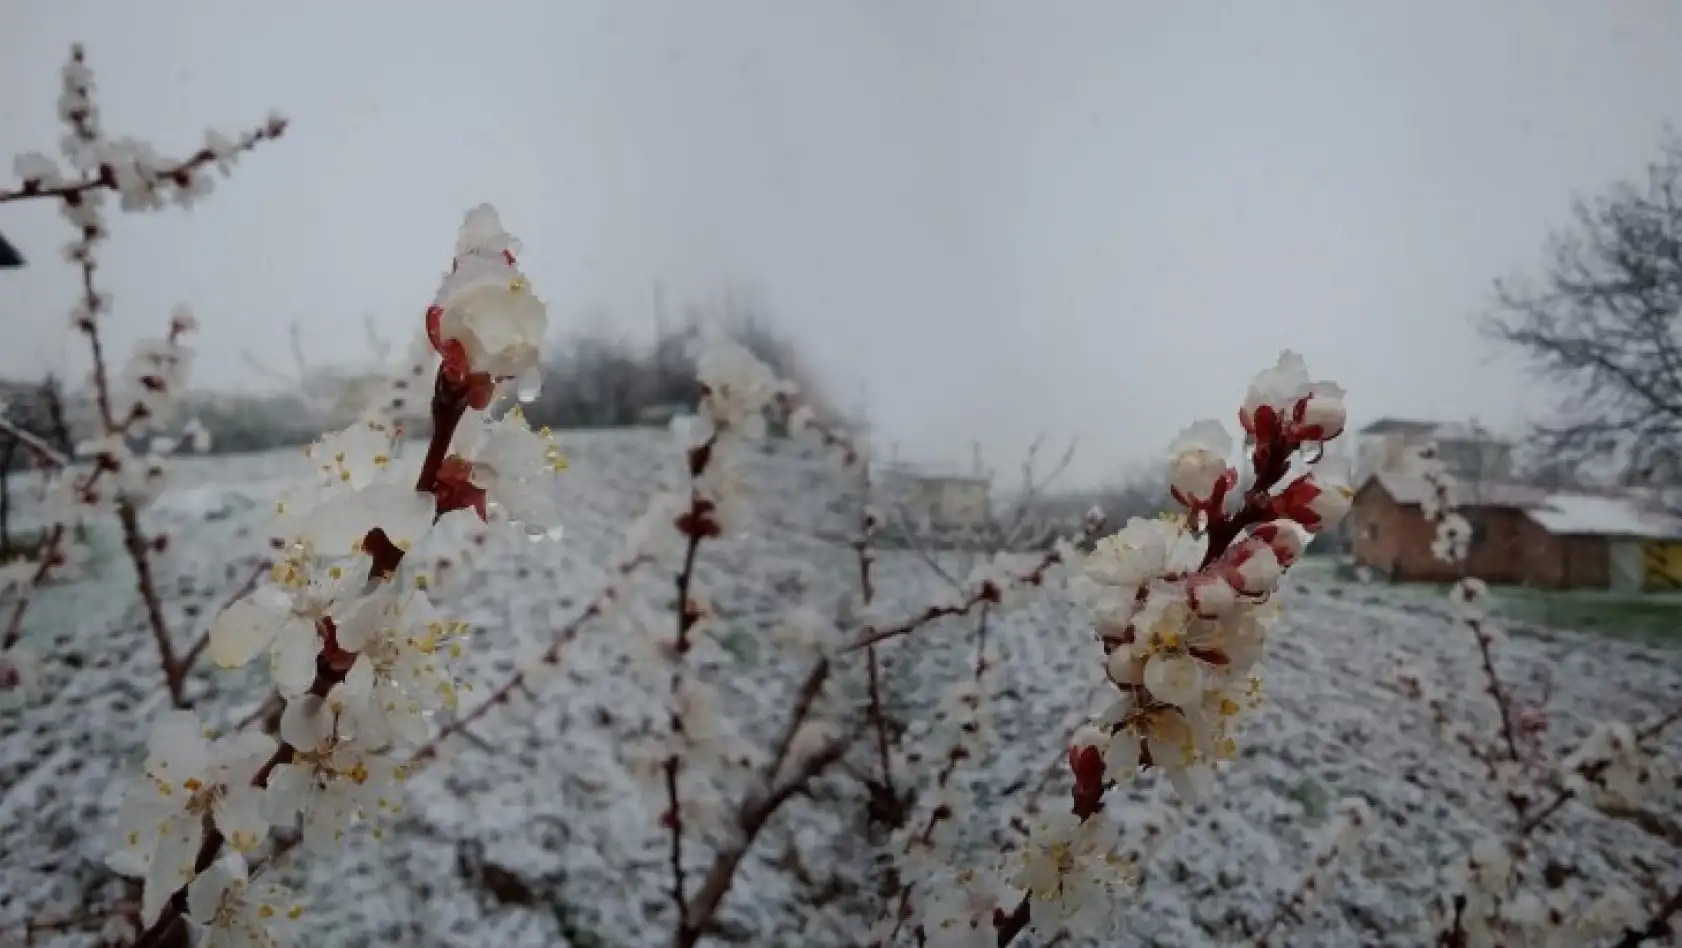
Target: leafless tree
[(1600, 323)]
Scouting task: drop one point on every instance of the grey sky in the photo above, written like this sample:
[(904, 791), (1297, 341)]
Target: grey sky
[(1082, 218)]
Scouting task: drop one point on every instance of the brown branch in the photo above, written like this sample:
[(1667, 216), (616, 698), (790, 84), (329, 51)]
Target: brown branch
[(803, 699), (135, 543), (38, 447), (105, 177), (1497, 692), (1655, 728), (83, 129), (1653, 824), (987, 593), (698, 522), (751, 819), (1658, 925), (866, 557), (49, 555)]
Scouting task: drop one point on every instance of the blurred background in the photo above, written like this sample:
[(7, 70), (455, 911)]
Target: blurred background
[(975, 220)]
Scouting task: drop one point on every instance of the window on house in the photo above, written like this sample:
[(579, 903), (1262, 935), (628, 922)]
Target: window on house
[(1480, 529), (1370, 529)]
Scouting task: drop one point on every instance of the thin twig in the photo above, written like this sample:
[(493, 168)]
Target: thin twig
[(551, 655), (1658, 924), (757, 810), (106, 176), (49, 555), (866, 557), (986, 593), (38, 447), (698, 522), (1565, 794), (191, 656)]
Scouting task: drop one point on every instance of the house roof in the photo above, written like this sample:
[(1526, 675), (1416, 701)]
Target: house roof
[(909, 472), (1600, 515), (1409, 489), (1438, 430), (1386, 425), (1561, 513)]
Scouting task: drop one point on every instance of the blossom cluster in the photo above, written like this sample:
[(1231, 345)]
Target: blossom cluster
[(359, 652), (1492, 899), (1182, 606), (688, 760)]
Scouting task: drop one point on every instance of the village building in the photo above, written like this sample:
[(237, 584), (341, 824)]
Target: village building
[(1469, 451), (1521, 535), (936, 501)]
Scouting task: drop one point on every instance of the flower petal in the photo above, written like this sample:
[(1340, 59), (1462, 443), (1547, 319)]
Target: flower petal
[(204, 895), (239, 817), (177, 751), (172, 864), (243, 629), (292, 660)]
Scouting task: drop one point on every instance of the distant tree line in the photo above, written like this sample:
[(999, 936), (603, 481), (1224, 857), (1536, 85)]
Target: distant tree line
[(599, 377)]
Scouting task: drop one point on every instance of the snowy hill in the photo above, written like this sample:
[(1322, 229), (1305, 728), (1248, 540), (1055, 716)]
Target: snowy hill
[(531, 834)]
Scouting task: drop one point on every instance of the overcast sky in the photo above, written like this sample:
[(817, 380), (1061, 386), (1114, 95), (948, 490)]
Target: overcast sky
[(994, 219)]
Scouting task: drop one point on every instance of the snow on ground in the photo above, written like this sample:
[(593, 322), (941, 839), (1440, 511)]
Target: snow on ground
[(546, 842)]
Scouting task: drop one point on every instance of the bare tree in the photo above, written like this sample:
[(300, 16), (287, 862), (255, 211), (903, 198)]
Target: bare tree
[(1600, 323)]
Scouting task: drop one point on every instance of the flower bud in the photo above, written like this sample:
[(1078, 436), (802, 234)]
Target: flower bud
[(1271, 394), (1210, 595), (1198, 473), (1283, 537), (1253, 567), (1319, 415), (1318, 499), (486, 321)]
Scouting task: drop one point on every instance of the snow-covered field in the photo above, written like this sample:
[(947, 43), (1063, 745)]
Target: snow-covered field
[(531, 833)]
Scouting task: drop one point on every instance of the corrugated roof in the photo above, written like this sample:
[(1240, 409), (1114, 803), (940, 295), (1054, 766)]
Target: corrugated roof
[(1439, 430), (1409, 489), (1384, 425), (1605, 516)]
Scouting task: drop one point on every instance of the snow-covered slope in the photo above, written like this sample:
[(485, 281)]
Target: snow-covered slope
[(531, 834)]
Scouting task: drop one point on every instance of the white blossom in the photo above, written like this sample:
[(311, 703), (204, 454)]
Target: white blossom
[(957, 911), (189, 777), (737, 386), (1142, 551), (515, 466), (286, 619), (332, 780), (1069, 867), (486, 304), (1197, 460), (236, 912), (1275, 389)]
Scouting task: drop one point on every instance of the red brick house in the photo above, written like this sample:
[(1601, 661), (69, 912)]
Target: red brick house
[(1521, 535)]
